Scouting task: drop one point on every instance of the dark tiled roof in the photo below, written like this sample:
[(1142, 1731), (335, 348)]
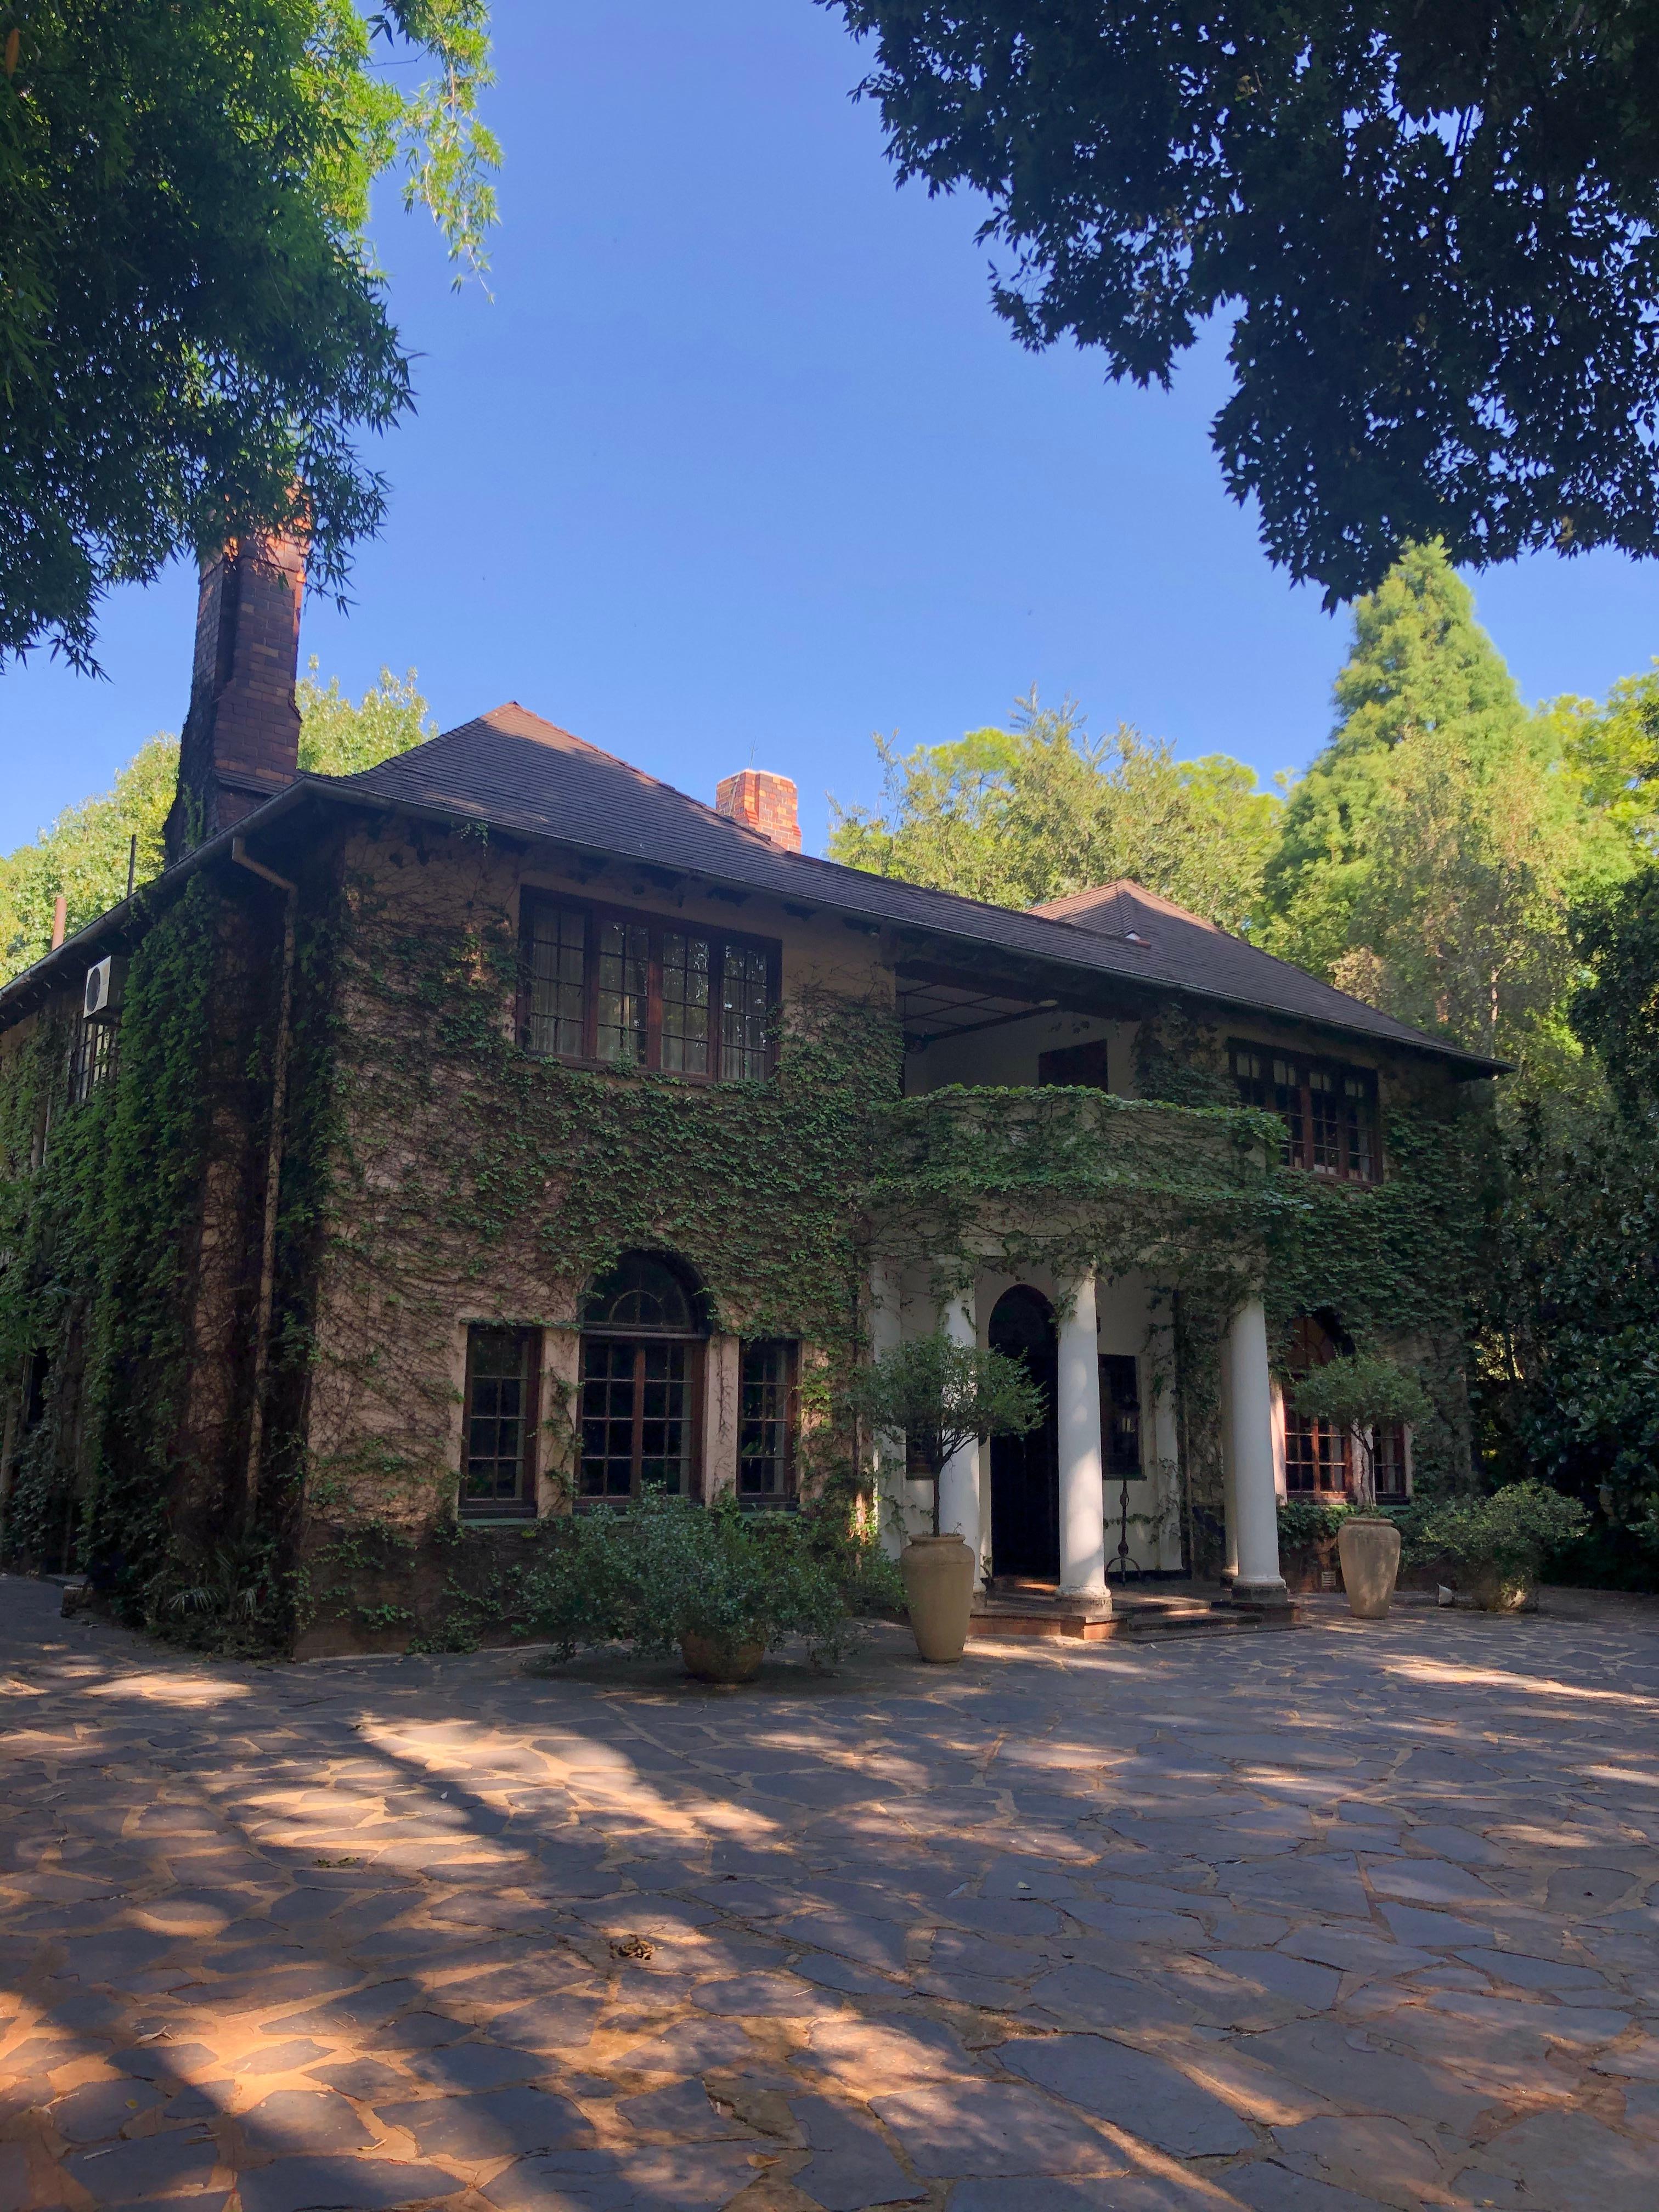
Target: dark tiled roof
[(511, 769)]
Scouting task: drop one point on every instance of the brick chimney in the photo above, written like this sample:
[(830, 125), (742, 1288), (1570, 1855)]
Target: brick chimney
[(241, 738), (766, 803)]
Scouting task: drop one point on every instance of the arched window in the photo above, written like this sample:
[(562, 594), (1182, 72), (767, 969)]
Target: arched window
[(643, 1323)]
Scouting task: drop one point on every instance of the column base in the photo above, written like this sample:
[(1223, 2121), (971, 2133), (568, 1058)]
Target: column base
[(1259, 1594), (1096, 1603)]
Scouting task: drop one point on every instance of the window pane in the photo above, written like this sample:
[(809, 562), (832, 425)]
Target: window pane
[(608, 1397), (743, 1014), (1120, 1415), (1391, 1461), (624, 952), (763, 1437), (558, 975), (1357, 1128), (666, 1420), (495, 1466), (1316, 1454), (684, 1003), (1326, 1104)]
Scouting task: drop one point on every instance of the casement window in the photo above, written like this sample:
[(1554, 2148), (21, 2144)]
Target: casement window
[(1318, 1455), (641, 1384), (1393, 1468), (1120, 1416), (615, 989), (1329, 1111), (498, 1456), (93, 1049), (765, 1422)]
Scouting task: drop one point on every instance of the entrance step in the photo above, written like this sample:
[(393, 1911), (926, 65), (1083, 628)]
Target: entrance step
[(1137, 1616)]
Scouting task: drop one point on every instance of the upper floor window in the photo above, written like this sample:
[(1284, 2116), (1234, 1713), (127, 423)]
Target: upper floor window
[(1329, 1111), (92, 1051), (631, 990)]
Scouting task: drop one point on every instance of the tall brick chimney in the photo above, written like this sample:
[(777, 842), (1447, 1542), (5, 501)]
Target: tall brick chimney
[(241, 738), (766, 803)]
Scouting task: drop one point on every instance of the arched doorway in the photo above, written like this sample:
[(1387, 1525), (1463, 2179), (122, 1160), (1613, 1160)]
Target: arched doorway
[(1026, 1470), (643, 1327)]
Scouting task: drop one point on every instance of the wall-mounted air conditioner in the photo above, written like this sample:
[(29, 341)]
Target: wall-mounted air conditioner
[(104, 985)]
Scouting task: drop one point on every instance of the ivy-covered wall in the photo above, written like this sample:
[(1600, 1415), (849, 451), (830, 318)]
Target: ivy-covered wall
[(434, 1175)]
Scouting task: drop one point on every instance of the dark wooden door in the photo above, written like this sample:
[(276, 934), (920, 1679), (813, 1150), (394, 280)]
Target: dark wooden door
[(1026, 1470)]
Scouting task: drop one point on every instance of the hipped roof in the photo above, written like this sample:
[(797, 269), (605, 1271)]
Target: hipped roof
[(515, 772)]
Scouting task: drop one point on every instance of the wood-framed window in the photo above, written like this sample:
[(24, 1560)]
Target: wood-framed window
[(1120, 1416), (767, 1416), (498, 1452), (641, 1384), (1318, 1455), (1392, 1463), (1328, 1110), (611, 988), (94, 1057)]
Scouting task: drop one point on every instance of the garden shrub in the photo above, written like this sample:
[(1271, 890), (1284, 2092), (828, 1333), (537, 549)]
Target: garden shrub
[(1504, 1537)]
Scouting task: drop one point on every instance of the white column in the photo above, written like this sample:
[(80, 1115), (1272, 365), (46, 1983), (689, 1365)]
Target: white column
[(1229, 1467), (1254, 1500), (1166, 1446), (1082, 1499), (958, 1489), (886, 1449)]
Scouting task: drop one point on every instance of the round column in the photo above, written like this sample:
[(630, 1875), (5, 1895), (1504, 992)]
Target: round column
[(958, 1489), (1254, 1496), (886, 1449), (1082, 1495)]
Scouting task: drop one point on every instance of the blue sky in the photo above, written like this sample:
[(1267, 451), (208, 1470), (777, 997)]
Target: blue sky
[(738, 466)]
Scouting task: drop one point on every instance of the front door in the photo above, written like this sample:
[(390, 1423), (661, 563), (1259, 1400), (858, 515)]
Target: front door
[(1026, 1470)]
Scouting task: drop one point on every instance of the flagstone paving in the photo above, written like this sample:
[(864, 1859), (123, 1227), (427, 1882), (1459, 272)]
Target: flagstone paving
[(1367, 1915)]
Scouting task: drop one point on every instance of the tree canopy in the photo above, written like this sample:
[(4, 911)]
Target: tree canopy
[(1435, 229), (84, 855), (193, 331), (1031, 812)]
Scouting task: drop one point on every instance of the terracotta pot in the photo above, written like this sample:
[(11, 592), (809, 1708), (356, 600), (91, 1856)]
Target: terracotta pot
[(711, 1661), (939, 1586), (1368, 1547)]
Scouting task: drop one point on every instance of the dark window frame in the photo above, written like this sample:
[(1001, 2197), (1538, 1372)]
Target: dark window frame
[(595, 916), (1289, 1084), (638, 1344), (523, 1506), (95, 1057), (788, 1419), (1116, 1410)]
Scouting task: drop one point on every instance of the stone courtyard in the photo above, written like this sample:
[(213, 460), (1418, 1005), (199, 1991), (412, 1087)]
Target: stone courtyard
[(1354, 1917)]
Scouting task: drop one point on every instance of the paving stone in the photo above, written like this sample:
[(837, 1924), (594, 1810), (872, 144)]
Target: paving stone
[(1145, 2096), (975, 2129), (682, 2113), (476, 2066), (1266, 2186), (693, 2047), (696, 2178), (851, 2165), (154, 2167), (1118, 2193), (759, 1995), (305, 2119), (343, 2185), (1427, 1881), (559, 2023), (495, 2124), (1573, 2163), (872, 2054), (1360, 2074), (99, 2110), (283, 2057)]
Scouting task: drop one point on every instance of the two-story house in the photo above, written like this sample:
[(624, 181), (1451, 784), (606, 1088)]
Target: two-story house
[(500, 1131)]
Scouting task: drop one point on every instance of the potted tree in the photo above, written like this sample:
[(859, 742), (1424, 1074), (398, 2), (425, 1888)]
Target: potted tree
[(1363, 1391), (941, 1397)]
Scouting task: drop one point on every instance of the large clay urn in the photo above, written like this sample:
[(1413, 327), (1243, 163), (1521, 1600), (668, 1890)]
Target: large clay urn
[(939, 1586), (1369, 1548)]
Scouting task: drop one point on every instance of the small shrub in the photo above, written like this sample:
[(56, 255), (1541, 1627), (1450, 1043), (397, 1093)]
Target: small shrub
[(1305, 1522), (1497, 1542), (941, 1396), (668, 1568)]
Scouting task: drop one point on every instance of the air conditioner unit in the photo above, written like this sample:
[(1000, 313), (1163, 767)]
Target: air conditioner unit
[(105, 984)]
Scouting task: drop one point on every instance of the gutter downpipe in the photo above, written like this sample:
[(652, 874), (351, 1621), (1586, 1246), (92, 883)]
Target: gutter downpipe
[(256, 1439)]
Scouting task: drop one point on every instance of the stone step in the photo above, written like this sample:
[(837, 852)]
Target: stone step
[(1004, 1618)]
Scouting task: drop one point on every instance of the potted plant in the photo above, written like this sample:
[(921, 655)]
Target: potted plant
[(1493, 1546), (940, 1397), (1363, 1391)]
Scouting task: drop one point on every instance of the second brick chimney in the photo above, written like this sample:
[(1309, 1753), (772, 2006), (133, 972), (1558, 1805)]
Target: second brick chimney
[(241, 737), (766, 803)]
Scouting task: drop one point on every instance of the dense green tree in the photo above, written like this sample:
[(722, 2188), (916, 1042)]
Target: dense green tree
[(1020, 814), (1431, 856), (84, 855), (192, 322), (1438, 228), (1616, 1009)]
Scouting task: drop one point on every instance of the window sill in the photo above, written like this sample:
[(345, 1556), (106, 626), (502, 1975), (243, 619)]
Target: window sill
[(632, 1067)]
